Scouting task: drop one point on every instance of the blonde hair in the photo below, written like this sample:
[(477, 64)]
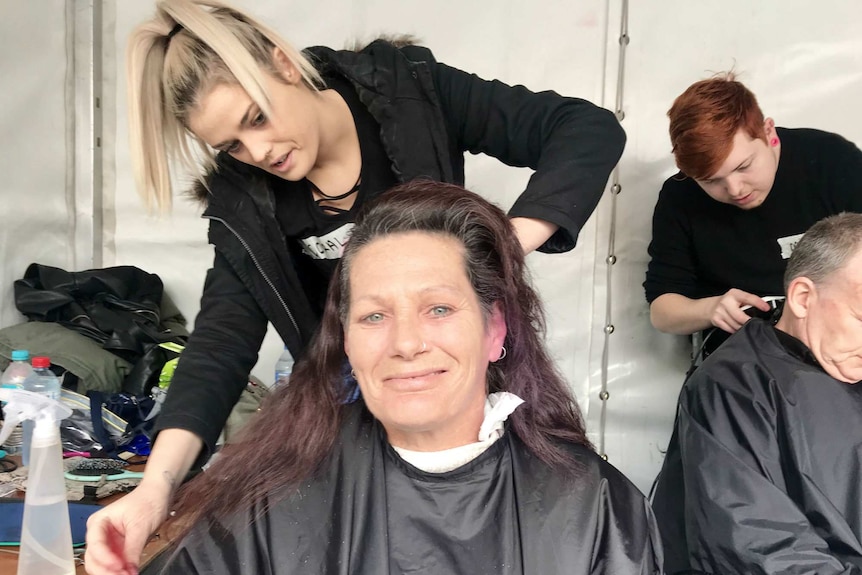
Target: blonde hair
[(186, 49)]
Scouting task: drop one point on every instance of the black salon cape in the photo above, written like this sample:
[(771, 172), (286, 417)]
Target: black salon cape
[(370, 512), (766, 476)]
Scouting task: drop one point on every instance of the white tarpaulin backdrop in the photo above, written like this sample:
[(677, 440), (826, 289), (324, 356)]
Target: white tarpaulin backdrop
[(803, 61)]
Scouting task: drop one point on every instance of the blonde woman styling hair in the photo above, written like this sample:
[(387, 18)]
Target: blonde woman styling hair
[(287, 148)]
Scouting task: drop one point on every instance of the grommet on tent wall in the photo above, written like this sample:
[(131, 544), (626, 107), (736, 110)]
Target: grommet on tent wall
[(612, 259), (620, 115), (624, 40), (616, 188), (609, 329), (604, 456), (604, 395)]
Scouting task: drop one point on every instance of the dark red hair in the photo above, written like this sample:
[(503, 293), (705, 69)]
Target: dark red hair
[(704, 120), (292, 436)]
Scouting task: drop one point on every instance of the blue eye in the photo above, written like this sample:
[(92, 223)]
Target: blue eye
[(440, 310), (375, 317), (233, 148)]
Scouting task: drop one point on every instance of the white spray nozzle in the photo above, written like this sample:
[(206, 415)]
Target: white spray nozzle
[(25, 405)]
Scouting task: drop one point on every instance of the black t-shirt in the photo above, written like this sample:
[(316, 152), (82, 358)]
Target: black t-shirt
[(314, 235), (701, 247)]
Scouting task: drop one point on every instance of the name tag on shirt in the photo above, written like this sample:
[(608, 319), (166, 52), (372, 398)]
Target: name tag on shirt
[(787, 244), (329, 246)]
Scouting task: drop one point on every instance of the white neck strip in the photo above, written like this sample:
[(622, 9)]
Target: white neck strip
[(498, 407)]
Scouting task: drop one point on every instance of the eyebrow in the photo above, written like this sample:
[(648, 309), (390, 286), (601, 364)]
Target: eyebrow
[(242, 123), (748, 159), (714, 179), (379, 299)]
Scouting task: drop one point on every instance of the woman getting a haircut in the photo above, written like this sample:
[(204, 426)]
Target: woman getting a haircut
[(466, 453), (294, 143)]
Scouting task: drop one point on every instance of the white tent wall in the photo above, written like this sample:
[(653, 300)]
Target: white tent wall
[(802, 62), (38, 216)]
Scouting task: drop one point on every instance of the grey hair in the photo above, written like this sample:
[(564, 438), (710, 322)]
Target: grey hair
[(186, 49), (825, 248)]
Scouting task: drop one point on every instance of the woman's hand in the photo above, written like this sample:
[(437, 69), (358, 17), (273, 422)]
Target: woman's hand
[(116, 535)]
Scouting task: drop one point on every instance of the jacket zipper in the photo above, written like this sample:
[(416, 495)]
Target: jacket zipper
[(259, 269)]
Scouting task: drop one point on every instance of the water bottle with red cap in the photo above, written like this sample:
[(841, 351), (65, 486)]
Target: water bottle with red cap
[(43, 382)]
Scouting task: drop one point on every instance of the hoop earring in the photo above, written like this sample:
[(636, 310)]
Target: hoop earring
[(352, 374), (502, 353)]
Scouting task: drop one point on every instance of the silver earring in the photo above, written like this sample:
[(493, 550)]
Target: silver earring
[(352, 374), (502, 353)]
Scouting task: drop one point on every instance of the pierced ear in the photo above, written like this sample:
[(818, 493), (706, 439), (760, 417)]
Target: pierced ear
[(800, 294), (496, 332)]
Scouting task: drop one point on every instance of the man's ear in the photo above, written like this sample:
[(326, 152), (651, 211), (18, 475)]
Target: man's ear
[(285, 66), (800, 295)]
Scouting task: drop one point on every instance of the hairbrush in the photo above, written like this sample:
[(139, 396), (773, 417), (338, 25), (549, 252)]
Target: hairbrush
[(93, 470)]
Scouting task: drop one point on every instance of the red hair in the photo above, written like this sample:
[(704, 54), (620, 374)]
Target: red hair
[(704, 120)]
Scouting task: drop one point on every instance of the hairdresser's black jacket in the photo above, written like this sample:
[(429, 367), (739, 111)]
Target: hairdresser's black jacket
[(370, 512), (765, 473), (429, 115)]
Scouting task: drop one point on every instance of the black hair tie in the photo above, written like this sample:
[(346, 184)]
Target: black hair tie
[(173, 32)]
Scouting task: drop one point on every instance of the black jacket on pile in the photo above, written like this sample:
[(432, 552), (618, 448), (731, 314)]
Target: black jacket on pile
[(120, 308), (429, 115), (370, 512)]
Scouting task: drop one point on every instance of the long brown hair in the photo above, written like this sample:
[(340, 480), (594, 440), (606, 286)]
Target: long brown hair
[(295, 432)]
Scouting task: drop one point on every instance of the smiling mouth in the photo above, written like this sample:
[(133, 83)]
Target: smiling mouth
[(415, 375), (280, 162)]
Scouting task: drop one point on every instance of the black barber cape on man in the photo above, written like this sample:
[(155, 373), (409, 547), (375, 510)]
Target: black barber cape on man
[(371, 512), (766, 476)]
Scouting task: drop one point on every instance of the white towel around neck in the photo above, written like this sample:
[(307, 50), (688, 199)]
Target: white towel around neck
[(498, 407)]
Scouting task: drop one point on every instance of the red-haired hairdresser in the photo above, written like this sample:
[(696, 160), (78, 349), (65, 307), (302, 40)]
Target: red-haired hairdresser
[(747, 190)]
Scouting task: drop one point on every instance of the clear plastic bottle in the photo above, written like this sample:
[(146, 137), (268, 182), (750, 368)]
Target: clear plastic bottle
[(43, 382), (283, 368), (14, 376), (18, 370), (46, 536)]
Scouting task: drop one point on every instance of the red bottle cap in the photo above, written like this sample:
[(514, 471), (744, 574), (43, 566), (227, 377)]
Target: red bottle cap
[(41, 362)]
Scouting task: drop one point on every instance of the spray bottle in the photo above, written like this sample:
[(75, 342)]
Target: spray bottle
[(46, 536)]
